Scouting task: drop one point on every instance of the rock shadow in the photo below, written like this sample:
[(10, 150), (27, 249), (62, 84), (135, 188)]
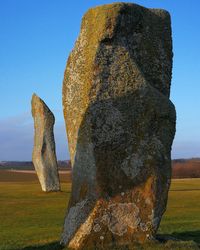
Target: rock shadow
[(183, 236), (49, 246)]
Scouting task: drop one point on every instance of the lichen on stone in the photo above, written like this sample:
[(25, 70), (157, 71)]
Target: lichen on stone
[(120, 123)]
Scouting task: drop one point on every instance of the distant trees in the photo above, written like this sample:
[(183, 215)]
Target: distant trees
[(186, 168)]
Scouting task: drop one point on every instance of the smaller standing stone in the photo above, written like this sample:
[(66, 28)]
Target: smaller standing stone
[(44, 155)]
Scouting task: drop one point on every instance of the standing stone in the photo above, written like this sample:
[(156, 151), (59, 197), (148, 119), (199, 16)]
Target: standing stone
[(120, 126), (44, 155)]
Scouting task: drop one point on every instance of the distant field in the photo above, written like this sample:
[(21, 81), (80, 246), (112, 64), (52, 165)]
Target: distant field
[(181, 168), (31, 219), (28, 175)]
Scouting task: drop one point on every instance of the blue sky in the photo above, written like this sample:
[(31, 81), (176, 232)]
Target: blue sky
[(36, 37)]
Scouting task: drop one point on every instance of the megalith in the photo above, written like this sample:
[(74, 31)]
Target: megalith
[(120, 125), (44, 154)]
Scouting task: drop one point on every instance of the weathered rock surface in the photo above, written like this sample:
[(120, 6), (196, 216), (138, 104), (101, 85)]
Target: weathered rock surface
[(120, 126), (44, 155)]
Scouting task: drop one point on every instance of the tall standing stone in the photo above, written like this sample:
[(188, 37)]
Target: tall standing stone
[(44, 155), (120, 126)]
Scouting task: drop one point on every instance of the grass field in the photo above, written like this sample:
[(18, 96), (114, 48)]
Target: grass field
[(31, 219)]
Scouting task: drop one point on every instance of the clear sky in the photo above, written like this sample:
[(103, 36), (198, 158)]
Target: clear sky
[(36, 37)]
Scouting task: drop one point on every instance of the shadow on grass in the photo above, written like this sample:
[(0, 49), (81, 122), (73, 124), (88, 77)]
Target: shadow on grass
[(183, 236), (48, 246), (190, 235), (176, 236)]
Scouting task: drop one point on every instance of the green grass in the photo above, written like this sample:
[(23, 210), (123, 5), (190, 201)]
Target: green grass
[(31, 219), (29, 216)]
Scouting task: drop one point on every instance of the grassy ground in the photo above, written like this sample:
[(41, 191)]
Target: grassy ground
[(31, 219)]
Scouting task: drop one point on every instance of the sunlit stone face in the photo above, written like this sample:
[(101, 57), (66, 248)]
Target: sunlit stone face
[(44, 155)]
